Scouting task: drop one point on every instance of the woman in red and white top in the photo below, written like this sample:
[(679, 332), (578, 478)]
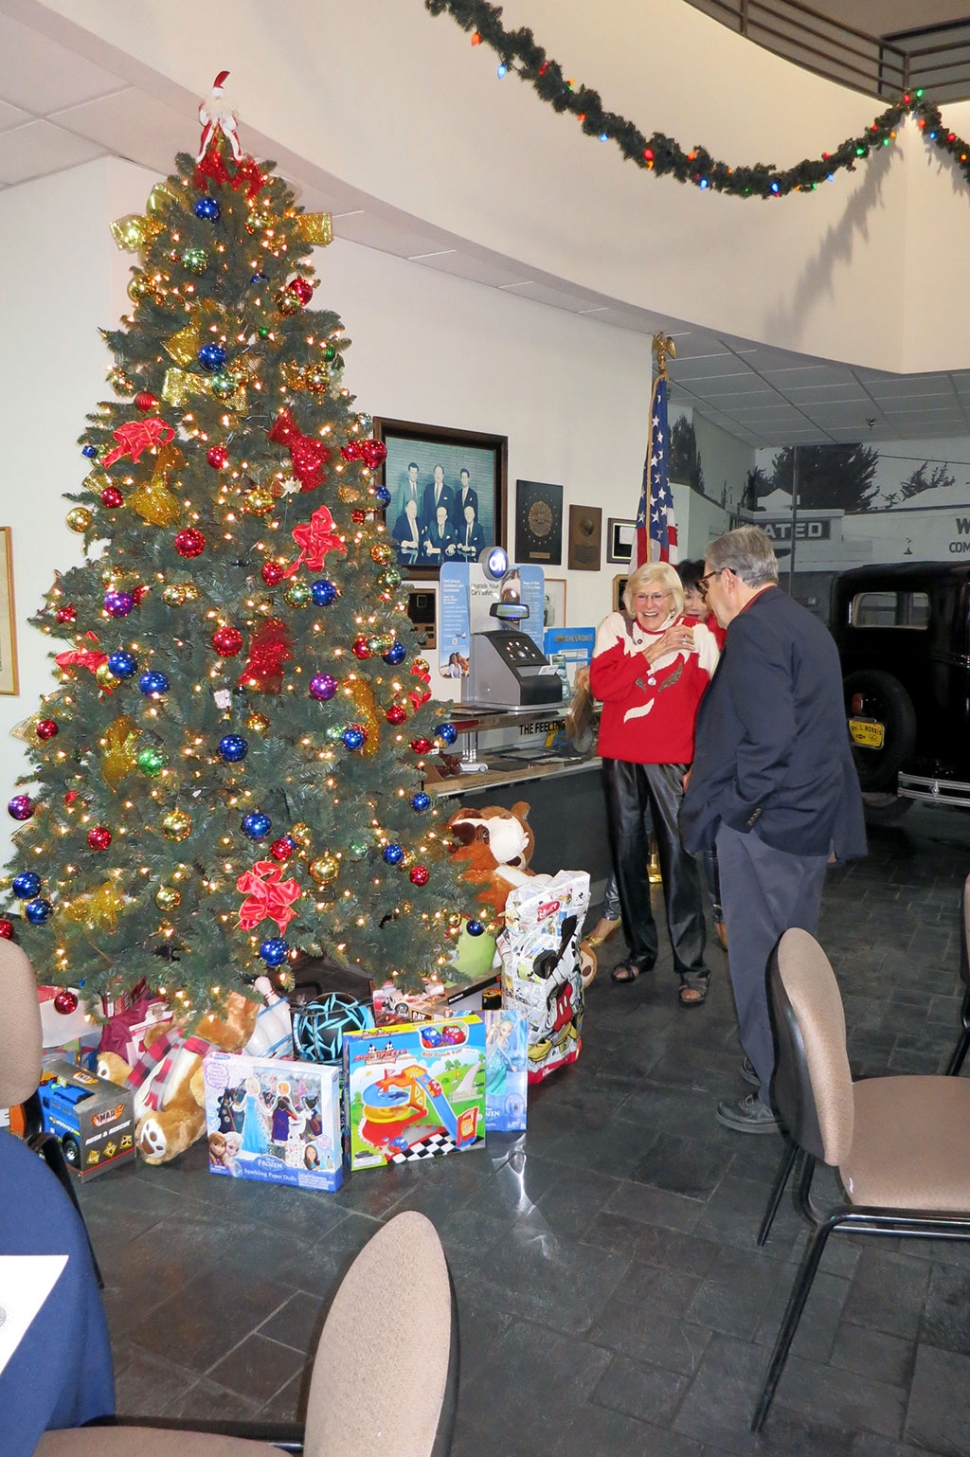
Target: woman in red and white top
[(651, 667)]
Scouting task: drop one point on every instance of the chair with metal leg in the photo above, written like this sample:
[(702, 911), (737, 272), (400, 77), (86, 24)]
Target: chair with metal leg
[(963, 1041), (899, 1145)]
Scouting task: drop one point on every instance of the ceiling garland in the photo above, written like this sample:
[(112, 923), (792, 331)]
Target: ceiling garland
[(519, 51)]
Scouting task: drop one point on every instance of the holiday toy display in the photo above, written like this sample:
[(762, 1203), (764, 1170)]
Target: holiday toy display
[(413, 1093), (222, 768), (542, 966), (277, 1122)]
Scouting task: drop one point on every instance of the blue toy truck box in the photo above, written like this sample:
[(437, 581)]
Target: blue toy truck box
[(273, 1120), (414, 1092), (94, 1119)]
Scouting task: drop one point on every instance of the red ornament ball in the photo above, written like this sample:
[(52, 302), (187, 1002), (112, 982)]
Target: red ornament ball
[(396, 714), (358, 517), (217, 456), (145, 401), (360, 648), (373, 453), (272, 573), (66, 614), (139, 593), (112, 498), (99, 838), (6, 929), (351, 451), (420, 875), (70, 797), (282, 849), (422, 746), (46, 729), (65, 1002), (190, 543), (227, 641), (303, 289)]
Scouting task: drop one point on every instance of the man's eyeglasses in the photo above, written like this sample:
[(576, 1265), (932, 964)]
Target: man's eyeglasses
[(702, 584)]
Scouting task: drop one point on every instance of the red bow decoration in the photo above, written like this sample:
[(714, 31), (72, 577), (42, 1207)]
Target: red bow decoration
[(315, 538), (74, 659), (309, 455), (249, 176), (138, 436), (212, 165), (420, 695), (268, 651), (269, 898)]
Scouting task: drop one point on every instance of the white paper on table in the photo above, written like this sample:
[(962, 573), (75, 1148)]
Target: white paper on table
[(25, 1283)]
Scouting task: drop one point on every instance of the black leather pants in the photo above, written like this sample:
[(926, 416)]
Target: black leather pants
[(642, 799)]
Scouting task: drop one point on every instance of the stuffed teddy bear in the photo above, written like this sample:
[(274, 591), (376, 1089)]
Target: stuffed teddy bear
[(495, 846), (167, 1079)]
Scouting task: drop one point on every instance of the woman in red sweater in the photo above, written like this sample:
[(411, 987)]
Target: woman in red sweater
[(651, 667)]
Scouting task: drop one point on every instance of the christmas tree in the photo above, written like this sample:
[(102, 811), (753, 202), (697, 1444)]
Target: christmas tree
[(229, 770)]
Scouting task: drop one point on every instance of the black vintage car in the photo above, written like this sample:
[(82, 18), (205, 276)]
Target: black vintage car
[(903, 634)]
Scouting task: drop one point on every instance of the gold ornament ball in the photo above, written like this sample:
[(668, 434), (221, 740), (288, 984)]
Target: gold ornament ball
[(79, 519), (173, 595), (409, 859), (317, 378), (258, 501), (257, 723), (381, 553), (298, 594), (301, 833), (140, 286), (106, 679), (287, 301), (324, 869), (190, 592), (176, 825), (167, 898), (121, 382)]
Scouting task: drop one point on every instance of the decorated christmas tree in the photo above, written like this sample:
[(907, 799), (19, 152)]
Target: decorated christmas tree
[(229, 768)]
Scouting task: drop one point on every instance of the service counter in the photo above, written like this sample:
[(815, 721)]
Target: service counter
[(510, 755)]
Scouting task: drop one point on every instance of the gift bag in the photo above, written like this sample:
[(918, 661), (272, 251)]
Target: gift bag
[(541, 966)]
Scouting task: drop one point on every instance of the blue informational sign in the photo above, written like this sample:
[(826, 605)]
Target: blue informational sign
[(569, 648), (455, 630), (534, 596)]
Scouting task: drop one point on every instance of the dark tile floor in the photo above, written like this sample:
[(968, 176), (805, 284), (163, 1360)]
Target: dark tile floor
[(611, 1296)]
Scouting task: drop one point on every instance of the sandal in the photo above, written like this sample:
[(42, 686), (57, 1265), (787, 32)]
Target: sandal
[(625, 972), (693, 989), (604, 930)]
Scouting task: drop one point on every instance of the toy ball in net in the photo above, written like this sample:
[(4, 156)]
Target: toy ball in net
[(319, 1027)]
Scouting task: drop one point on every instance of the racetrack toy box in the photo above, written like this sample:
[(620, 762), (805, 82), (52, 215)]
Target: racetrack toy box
[(414, 1092), (93, 1119), (273, 1120)]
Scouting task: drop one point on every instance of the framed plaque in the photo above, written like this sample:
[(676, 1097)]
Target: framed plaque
[(538, 523), (585, 538)]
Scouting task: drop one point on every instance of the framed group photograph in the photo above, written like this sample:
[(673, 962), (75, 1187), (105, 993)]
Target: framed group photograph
[(8, 626), (448, 493), (538, 523), (621, 536)]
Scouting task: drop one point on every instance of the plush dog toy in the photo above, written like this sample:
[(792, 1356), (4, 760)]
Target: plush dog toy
[(167, 1079), (494, 846)]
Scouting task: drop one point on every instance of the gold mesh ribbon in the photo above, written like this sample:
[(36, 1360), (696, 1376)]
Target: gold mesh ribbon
[(180, 388), (118, 755), (365, 712), (96, 910), (184, 345), (134, 232), (315, 228), (153, 501)]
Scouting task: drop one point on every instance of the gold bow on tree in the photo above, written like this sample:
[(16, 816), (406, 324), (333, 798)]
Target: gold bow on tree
[(96, 910), (153, 501), (118, 751)]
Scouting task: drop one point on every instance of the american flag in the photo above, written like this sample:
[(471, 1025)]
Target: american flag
[(656, 523)]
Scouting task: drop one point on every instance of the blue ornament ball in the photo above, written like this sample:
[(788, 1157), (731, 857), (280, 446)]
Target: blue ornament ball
[(354, 737), (256, 826), (475, 928), (274, 951), (393, 854), (26, 885), (207, 209), (232, 748), (122, 664), (259, 278), (319, 1026), (420, 802), (446, 732), (90, 451), (118, 604), (212, 356), (38, 911), (382, 495), (153, 682), (323, 592), (395, 654)]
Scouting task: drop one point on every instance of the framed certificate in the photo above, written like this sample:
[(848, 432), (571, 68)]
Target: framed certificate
[(538, 523)]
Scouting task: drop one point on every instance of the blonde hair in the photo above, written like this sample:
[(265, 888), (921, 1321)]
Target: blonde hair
[(664, 575)]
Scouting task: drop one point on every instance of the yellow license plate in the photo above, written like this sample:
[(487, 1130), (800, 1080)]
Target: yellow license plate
[(867, 733)]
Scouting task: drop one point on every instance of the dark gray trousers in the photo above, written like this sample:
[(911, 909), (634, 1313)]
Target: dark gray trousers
[(764, 893)]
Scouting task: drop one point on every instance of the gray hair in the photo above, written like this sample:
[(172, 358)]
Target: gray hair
[(664, 575), (748, 553)]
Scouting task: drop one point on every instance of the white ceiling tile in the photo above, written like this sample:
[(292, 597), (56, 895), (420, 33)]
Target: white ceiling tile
[(541, 293), (804, 374), (374, 230), (478, 270), (130, 124), (811, 395), (38, 148), (12, 116), (707, 366), (911, 385), (41, 75)]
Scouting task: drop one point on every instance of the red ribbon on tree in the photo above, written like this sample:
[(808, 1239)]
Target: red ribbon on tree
[(212, 166), (74, 659), (270, 897), (315, 538), (138, 436), (308, 455), (269, 650), (420, 695), (249, 176)]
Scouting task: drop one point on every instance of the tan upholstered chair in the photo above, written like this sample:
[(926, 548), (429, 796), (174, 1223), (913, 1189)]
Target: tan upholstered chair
[(900, 1145), (963, 1041), (385, 1373)]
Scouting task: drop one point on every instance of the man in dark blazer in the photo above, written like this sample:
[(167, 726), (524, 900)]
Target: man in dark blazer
[(773, 784), (436, 494), (465, 495)]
